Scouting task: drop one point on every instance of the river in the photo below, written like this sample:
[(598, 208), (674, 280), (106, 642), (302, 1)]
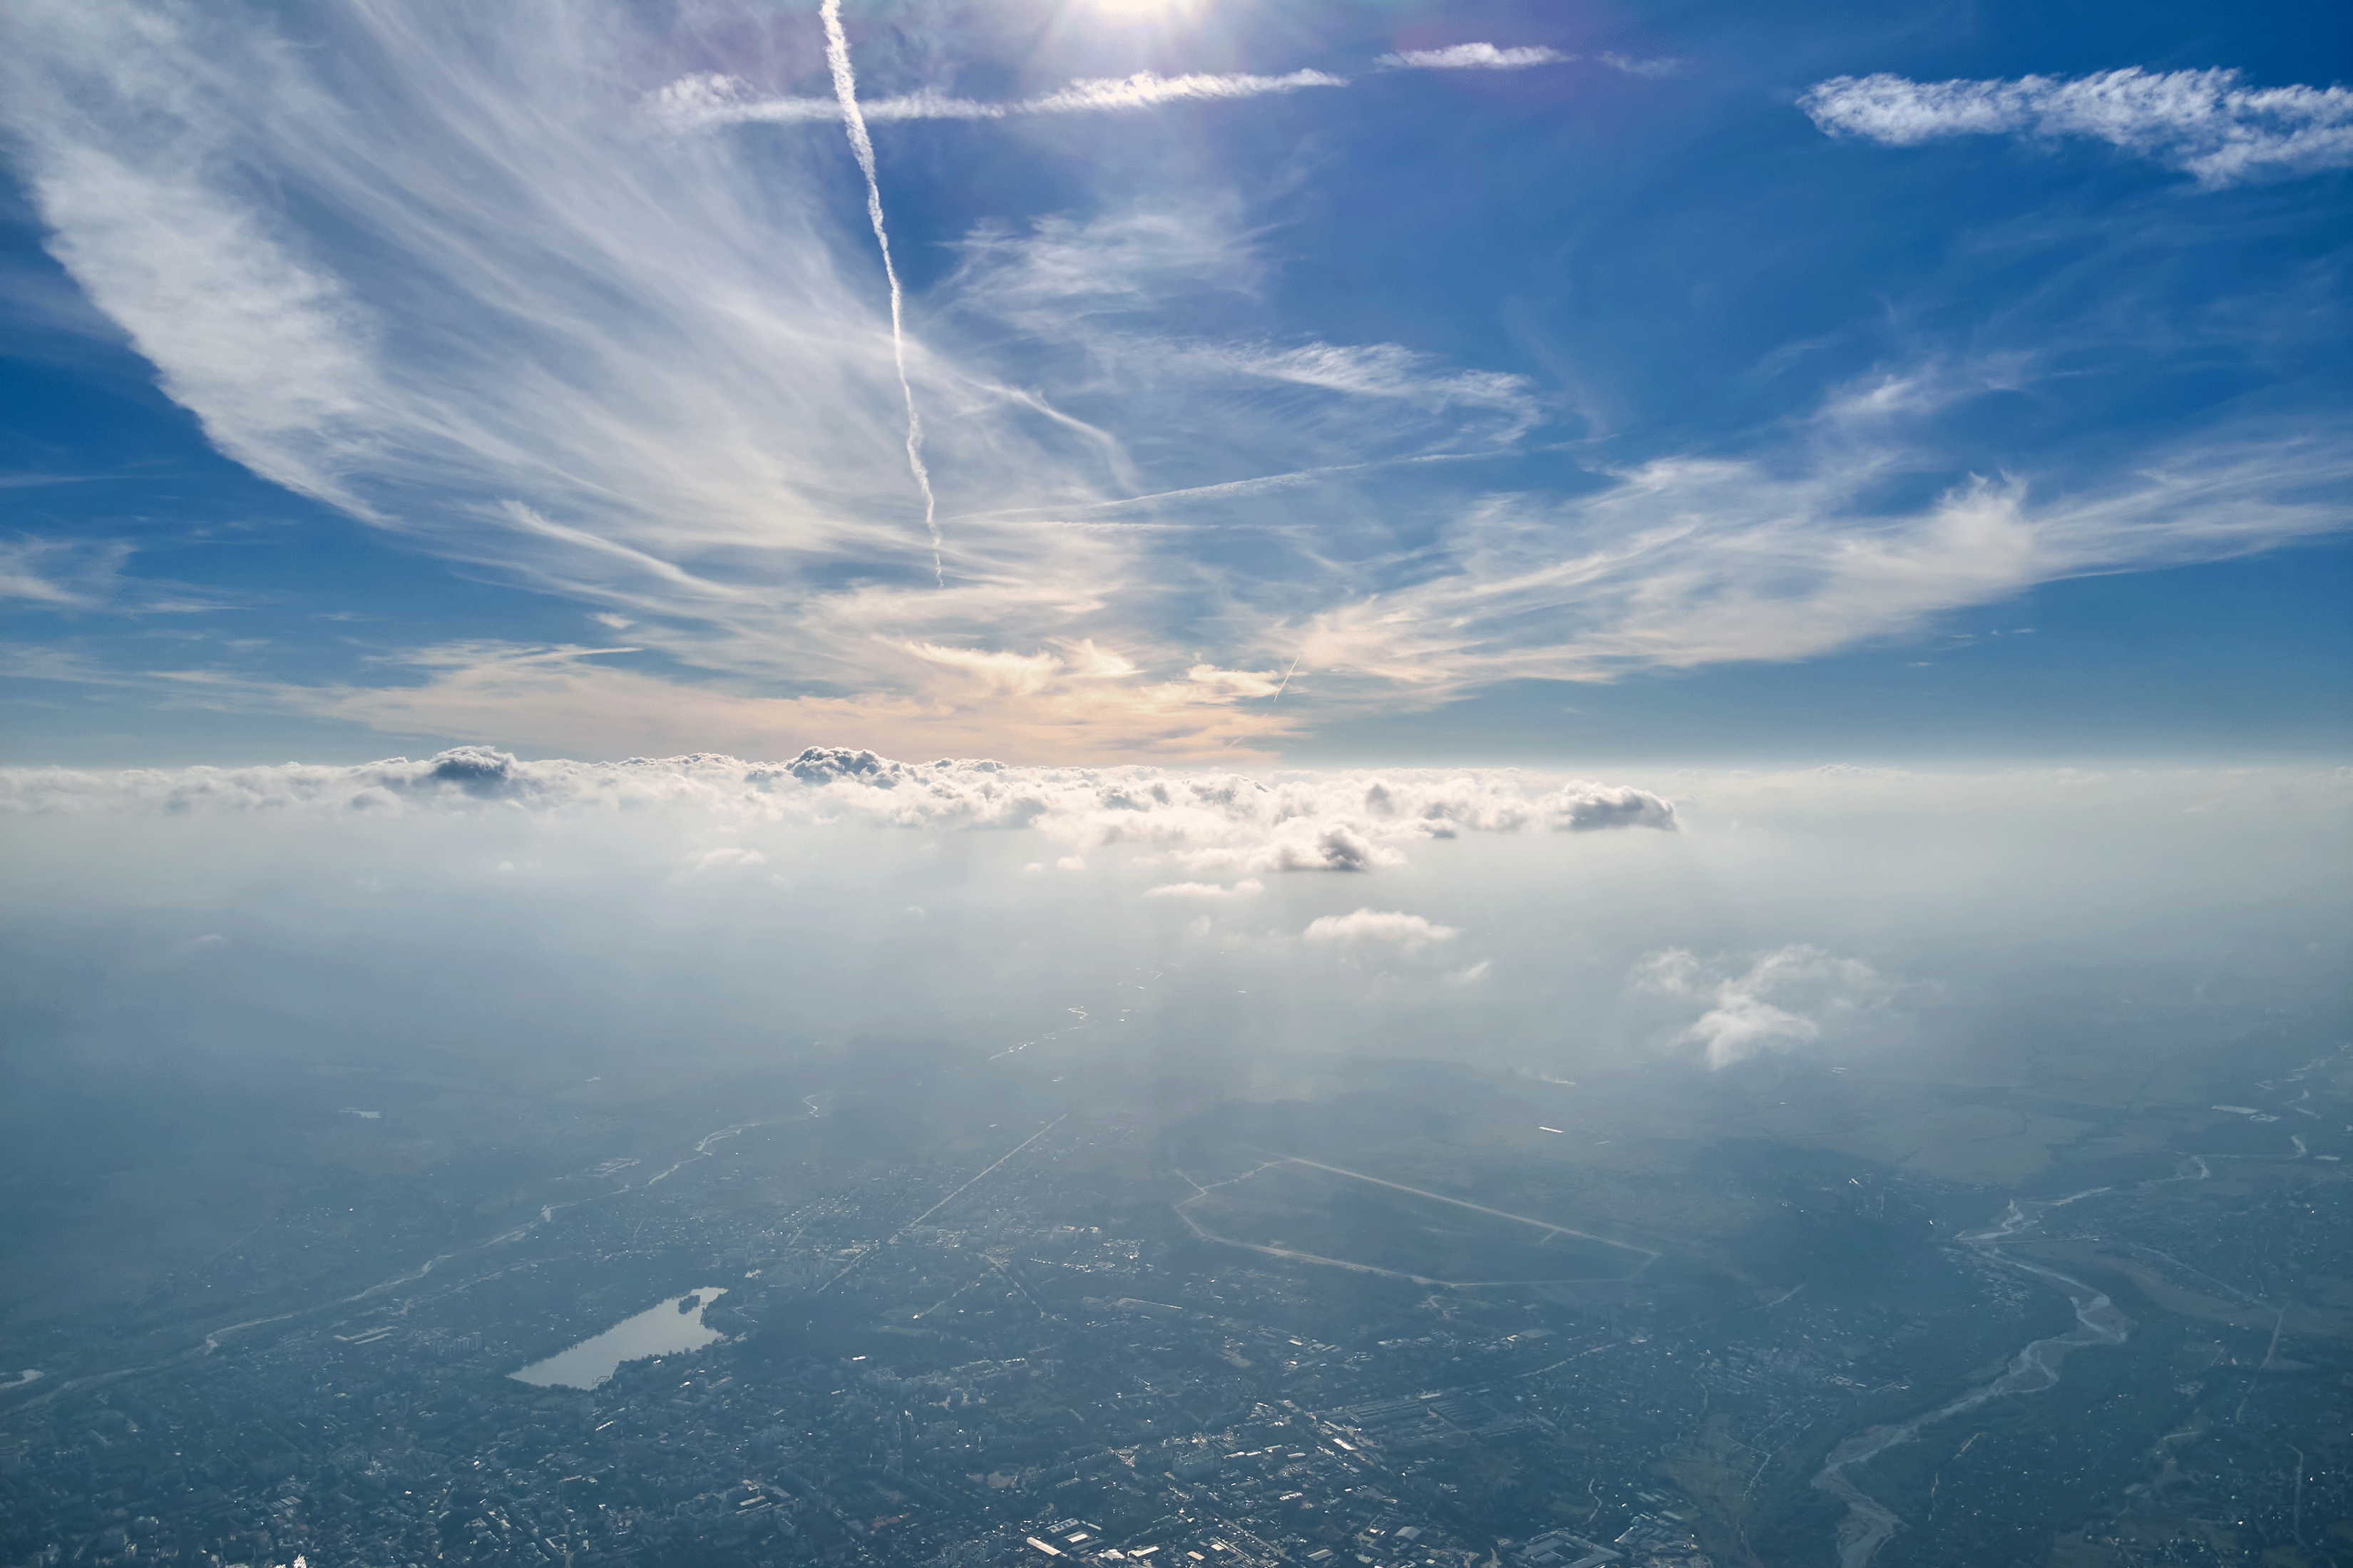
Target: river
[(1870, 1523)]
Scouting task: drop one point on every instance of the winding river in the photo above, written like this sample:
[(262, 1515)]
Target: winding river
[(1869, 1523)]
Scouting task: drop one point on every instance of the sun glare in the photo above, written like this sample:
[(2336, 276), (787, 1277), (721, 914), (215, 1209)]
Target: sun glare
[(1143, 10)]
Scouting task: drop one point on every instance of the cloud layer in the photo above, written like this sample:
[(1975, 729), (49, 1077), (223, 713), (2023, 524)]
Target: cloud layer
[(2206, 124), (1220, 822), (569, 912)]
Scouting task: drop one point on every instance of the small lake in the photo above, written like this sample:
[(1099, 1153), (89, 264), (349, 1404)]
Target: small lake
[(656, 1331)]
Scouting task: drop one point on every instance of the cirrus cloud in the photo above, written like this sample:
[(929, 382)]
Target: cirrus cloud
[(2206, 124), (714, 99), (1476, 57)]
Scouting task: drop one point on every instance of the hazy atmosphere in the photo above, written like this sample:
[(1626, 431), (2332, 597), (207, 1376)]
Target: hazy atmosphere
[(1263, 783)]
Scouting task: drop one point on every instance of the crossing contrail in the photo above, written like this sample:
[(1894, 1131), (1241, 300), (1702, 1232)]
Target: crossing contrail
[(861, 146)]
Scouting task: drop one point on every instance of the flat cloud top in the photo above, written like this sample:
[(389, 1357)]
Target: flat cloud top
[(1224, 821)]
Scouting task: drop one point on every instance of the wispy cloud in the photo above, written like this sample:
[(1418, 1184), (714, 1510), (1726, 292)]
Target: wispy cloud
[(1376, 369), (1682, 563), (1476, 57), (60, 572), (920, 698), (712, 98), (436, 269), (87, 574), (2204, 122), (644, 373), (1629, 65)]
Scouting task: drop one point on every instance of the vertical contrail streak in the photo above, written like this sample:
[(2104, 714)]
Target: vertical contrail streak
[(861, 145)]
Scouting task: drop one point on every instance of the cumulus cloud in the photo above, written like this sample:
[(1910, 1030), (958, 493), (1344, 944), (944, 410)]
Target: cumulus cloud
[(1249, 887), (1475, 57), (1781, 1000), (2206, 123), (1392, 927), (1585, 807), (1332, 847), (1207, 821)]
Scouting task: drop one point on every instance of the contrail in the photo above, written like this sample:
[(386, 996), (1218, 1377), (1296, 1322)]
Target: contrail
[(861, 146)]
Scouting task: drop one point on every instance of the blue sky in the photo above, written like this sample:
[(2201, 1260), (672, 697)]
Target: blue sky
[(1493, 382)]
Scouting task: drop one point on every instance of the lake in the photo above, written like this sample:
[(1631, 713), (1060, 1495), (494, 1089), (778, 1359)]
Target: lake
[(656, 1331)]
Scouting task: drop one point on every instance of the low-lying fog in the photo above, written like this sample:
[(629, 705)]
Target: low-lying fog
[(561, 920)]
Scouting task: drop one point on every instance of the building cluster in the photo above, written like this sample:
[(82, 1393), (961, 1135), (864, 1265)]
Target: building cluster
[(1038, 1377)]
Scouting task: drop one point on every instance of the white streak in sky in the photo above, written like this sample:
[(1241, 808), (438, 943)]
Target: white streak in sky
[(1475, 57), (1145, 89), (1627, 65), (714, 99), (844, 88), (2202, 122)]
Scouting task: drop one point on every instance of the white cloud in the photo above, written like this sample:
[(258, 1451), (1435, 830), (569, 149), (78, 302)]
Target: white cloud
[(1392, 927), (728, 857), (646, 373), (1372, 370), (431, 263), (2204, 122), (1206, 821), (1782, 1000), (1628, 65), (1476, 57), (574, 698), (1248, 888), (63, 572), (600, 935), (269, 349), (1682, 562), (1582, 807), (696, 101)]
